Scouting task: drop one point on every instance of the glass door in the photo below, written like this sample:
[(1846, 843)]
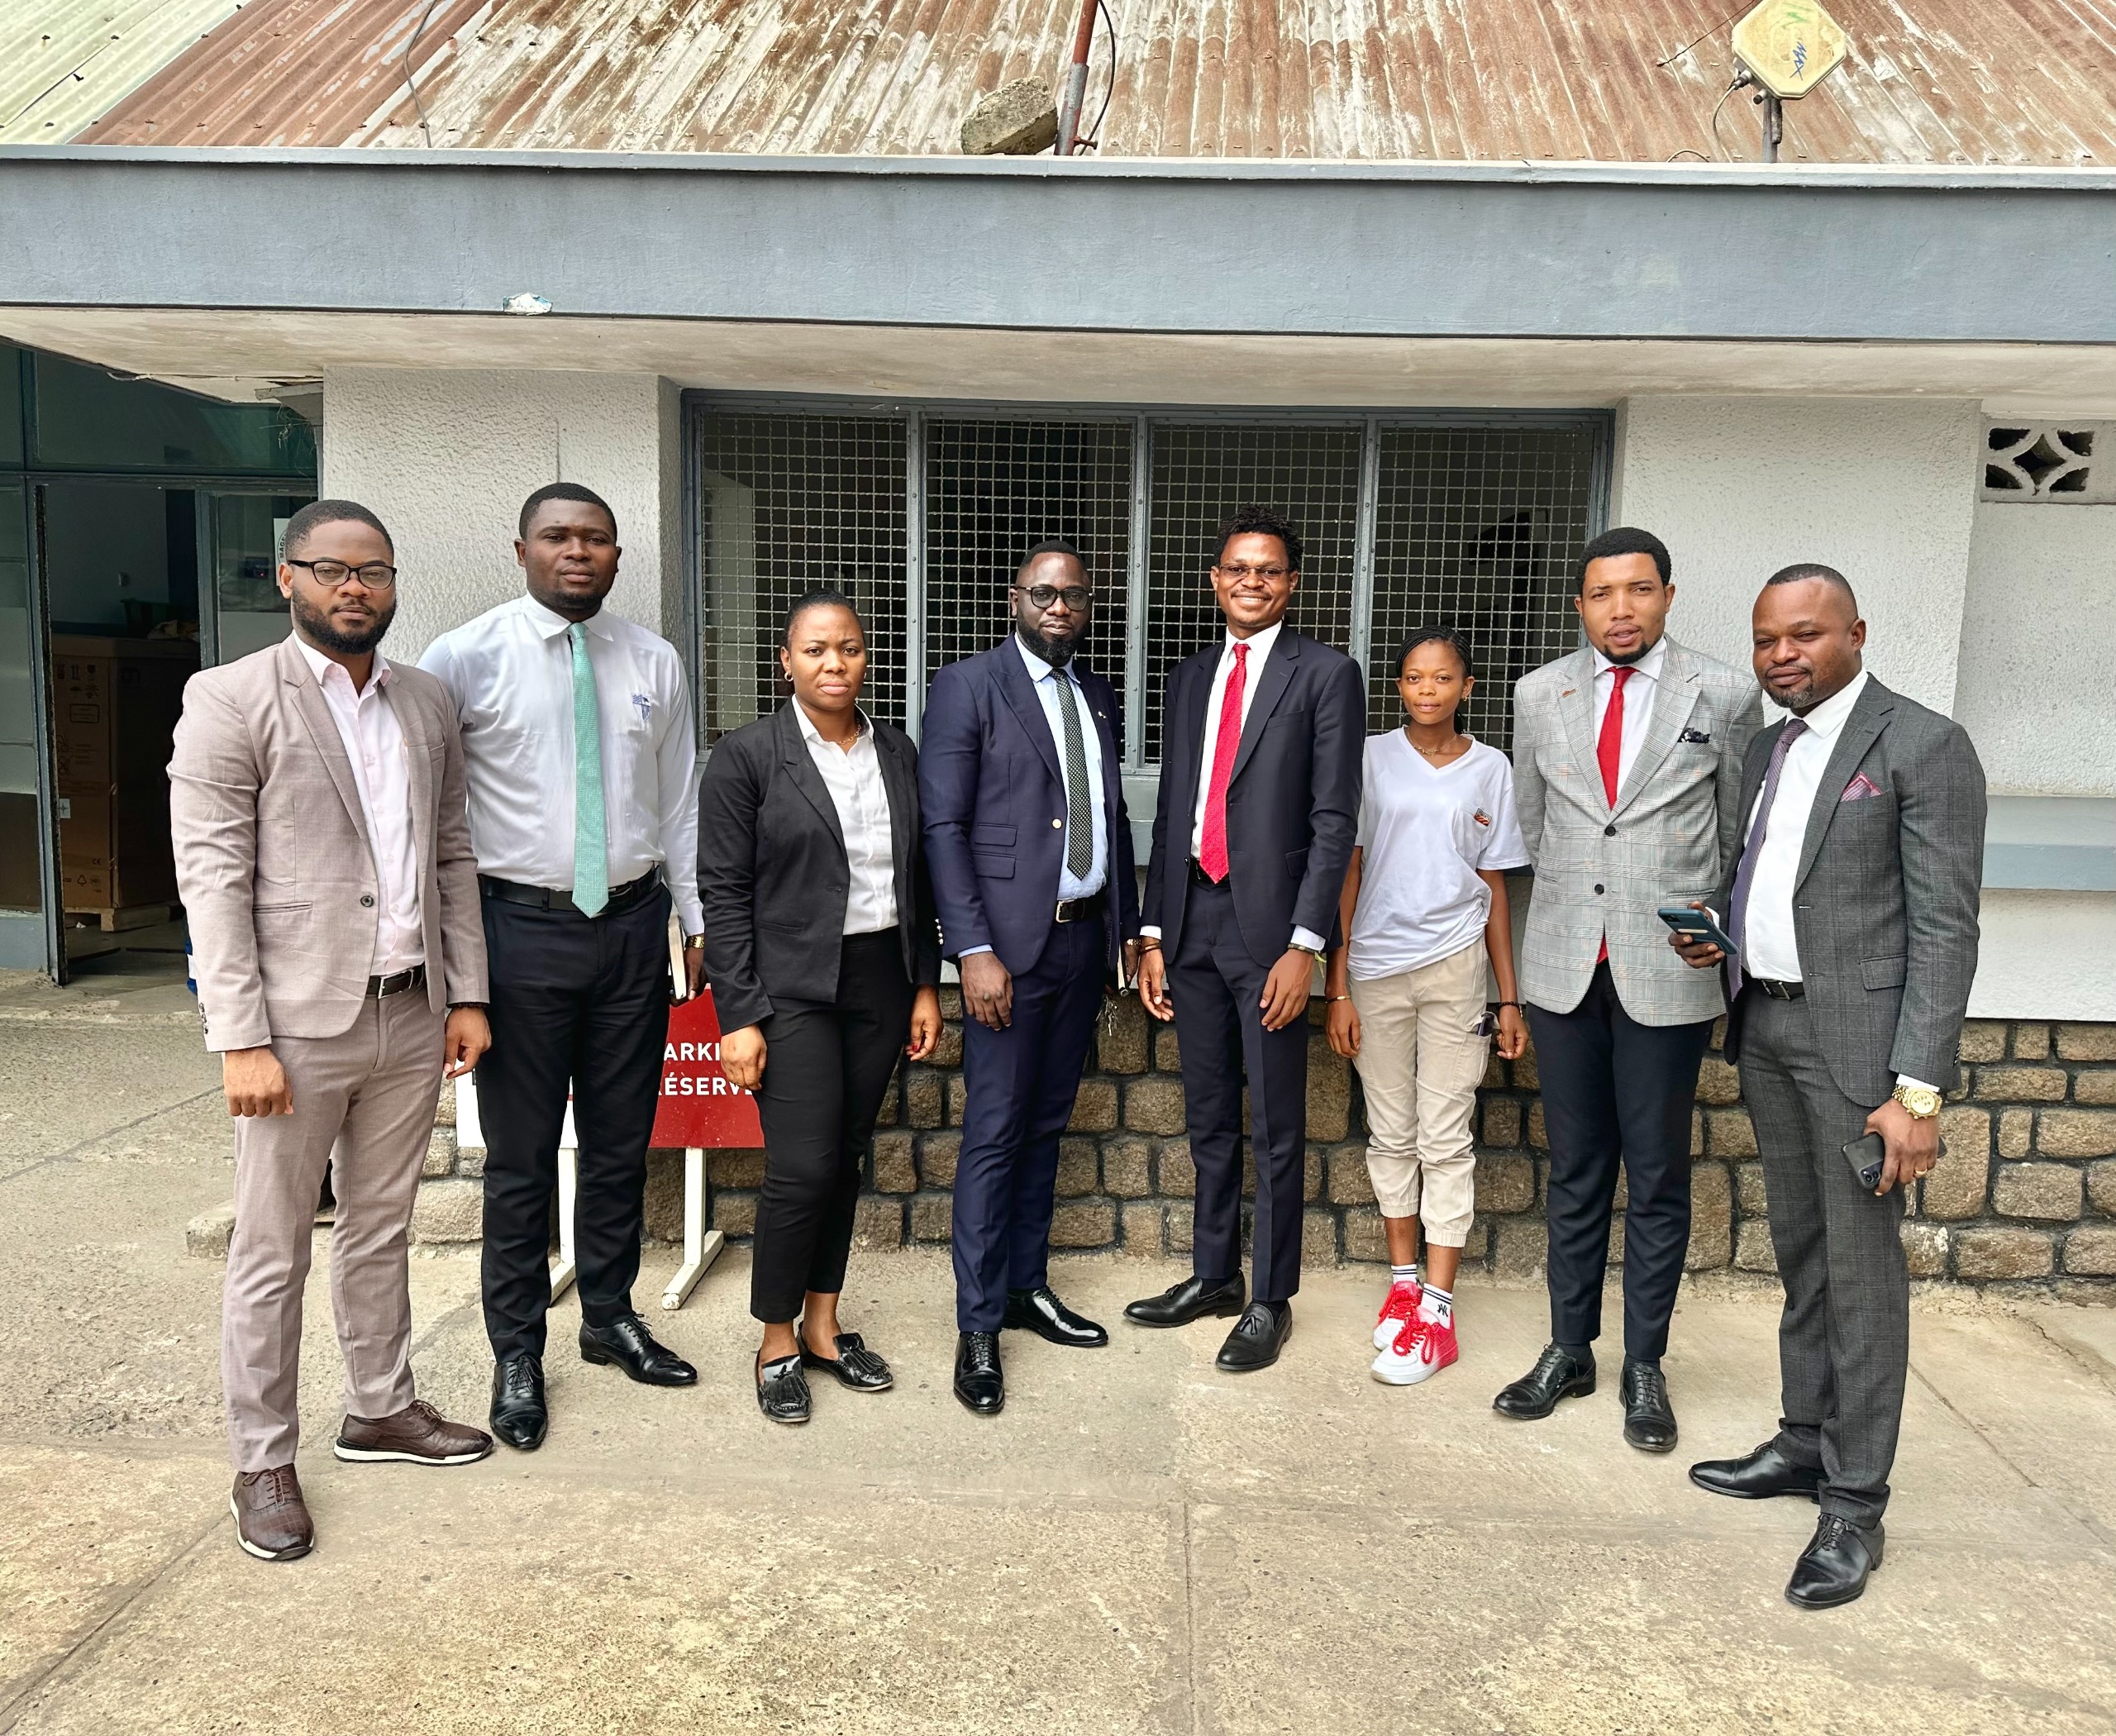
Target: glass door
[(242, 538)]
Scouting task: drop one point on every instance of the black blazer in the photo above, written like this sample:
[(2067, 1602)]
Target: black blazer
[(772, 872), (1292, 803)]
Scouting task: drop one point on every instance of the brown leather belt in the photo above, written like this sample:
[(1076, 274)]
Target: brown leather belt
[(381, 988), (626, 897), (1777, 991)]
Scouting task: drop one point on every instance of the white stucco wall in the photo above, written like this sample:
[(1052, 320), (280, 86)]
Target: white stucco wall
[(2035, 689), (2046, 955), (445, 457), (1882, 490)]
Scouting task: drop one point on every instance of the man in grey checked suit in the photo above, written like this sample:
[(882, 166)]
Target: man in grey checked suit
[(1854, 905), (1627, 765)]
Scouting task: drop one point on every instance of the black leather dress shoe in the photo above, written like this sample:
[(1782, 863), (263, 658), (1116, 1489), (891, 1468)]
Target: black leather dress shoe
[(519, 1416), (783, 1394), (980, 1383), (1040, 1311), (1833, 1569), (1558, 1374), (1757, 1476), (1257, 1338), (626, 1342), (854, 1366), (1649, 1419), (1192, 1300)]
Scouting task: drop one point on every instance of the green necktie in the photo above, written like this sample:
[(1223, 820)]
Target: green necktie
[(591, 858)]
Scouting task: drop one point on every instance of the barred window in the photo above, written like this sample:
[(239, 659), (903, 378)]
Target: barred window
[(921, 515)]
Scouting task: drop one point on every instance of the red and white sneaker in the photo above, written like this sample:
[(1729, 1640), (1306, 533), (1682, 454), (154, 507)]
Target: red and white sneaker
[(1401, 1308), (1418, 1352)]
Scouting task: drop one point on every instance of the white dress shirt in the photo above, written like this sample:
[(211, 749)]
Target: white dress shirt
[(853, 776), (1638, 693), (510, 673), (1260, 645), (374, 742)]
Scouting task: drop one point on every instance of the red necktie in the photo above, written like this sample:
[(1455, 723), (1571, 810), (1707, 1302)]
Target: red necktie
[(1608, 754), (1211, 843)]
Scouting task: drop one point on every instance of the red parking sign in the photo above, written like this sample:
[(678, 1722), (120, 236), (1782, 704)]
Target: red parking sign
[(698, 1106)]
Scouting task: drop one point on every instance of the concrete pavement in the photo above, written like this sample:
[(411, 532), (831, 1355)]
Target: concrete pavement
[(1137, 1544)]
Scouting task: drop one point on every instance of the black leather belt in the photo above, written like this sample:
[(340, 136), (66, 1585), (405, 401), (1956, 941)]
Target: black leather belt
[(381, 988), (627, 897), (1079, 909), (1199, 877), (1777, 991)]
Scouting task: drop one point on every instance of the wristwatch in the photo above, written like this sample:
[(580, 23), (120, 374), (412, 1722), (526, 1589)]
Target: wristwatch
[(1922, 1102), (691, 943)]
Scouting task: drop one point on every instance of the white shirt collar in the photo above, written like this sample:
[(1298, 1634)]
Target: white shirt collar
[(1827, 718), (1259, 642), (1650, 666), (1036, 667), (809, 731), (551, 623), (320, 666)]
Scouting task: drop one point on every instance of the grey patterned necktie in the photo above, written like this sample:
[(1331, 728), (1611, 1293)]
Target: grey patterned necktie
[(1737, 918), (1079, 812)]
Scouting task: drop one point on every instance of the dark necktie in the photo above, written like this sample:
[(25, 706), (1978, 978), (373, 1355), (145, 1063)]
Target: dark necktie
[(1080, 809), (1737, 918)]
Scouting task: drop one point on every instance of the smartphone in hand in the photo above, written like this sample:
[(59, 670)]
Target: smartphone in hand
[(1698, 927)]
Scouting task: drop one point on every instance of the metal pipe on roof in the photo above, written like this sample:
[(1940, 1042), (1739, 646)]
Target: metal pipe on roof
[(1076, 81)]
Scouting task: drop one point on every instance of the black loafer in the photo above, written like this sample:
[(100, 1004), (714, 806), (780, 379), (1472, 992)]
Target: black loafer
[(1558, 1374), (1758, 1476), (855, 1365), (1833, 1569), (626, 1342), (782, 1393), (1649, 1419), (519, 1415), (1192, 1300), (980, 1383), (1040, 1311), (1257, 1338)]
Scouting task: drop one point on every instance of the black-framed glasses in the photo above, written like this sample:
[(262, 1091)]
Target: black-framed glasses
[(1241, 570), (1076, 596), (376, 576)]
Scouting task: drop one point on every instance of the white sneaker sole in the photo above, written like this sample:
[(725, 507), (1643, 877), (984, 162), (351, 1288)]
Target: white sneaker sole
[(1405, 1373), (251, 1549), (371, 1456)]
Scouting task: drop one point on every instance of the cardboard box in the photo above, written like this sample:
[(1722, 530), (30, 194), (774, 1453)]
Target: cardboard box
[(115, 703), (114, 849)]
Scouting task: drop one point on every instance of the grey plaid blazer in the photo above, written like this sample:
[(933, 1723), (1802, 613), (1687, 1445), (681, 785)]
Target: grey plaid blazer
[(1884, 909), (1669, 838)]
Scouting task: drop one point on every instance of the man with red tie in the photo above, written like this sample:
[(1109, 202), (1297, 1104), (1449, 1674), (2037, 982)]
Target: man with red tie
[(1628, 772), (1263, 734)]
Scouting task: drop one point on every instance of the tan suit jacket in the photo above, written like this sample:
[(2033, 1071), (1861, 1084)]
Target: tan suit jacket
[(273, 861)]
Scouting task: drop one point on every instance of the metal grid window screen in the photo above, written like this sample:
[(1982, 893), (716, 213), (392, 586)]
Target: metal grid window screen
[(788, 503), (994, 488), (1479, 527), (1201, 473)]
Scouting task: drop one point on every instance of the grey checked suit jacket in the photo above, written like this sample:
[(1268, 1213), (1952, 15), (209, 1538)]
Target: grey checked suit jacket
[(1668, 838), (1884, 909)]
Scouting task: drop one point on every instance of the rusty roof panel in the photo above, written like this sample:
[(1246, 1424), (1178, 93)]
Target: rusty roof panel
[(1926, 81), (65, 62)]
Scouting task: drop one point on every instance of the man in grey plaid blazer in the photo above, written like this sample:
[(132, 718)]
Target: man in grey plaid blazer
[(1626, 765), (1854, 904)]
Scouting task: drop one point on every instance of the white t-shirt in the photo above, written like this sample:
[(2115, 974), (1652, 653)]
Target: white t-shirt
[(1424, 830)]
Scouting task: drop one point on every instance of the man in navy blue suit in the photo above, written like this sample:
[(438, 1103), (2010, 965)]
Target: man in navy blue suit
[(1031, 856), (1263, 736)]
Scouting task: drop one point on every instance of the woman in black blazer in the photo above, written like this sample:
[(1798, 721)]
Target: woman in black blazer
[(825, 959)]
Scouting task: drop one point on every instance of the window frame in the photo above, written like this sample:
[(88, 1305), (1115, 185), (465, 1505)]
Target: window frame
[(699, 406)]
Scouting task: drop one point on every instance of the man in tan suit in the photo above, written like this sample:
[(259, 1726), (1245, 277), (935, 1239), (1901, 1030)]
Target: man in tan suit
[(323, 853)]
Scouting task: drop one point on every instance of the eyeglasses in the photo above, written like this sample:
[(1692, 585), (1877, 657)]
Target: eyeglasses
[(1239, 572), (375, 576), (1077, 597)]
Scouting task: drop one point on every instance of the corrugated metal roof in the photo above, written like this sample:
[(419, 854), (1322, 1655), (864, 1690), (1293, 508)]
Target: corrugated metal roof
[(1926, 81), (63, 62)]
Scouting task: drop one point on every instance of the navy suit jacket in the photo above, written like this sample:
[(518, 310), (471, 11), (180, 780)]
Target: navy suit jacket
[(1291, 802), (990, 787)]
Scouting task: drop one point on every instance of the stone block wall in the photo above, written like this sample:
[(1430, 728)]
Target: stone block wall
[(2026, 1195)]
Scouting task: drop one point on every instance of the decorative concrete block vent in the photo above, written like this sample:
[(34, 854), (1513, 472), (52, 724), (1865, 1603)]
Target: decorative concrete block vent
[(2026, 1195)]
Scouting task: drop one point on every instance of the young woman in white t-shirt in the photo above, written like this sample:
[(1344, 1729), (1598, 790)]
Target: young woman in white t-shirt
[(1424, 907)]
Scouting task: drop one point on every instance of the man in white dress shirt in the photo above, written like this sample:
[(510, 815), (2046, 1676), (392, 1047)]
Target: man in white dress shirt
[(1626, 765), (578, 731)]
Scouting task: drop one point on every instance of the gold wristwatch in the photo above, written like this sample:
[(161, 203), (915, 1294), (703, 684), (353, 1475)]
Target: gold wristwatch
[(1922, 1102)]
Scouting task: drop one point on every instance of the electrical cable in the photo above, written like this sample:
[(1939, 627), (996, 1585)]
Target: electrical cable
[(1094, 140), (1741, 79), (412, 83)]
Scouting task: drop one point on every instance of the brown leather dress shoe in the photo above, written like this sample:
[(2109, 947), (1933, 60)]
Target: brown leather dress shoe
[(418, 1434), (271, 1519)]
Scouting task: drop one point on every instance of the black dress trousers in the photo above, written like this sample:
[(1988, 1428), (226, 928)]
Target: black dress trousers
[(579, 1001)]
